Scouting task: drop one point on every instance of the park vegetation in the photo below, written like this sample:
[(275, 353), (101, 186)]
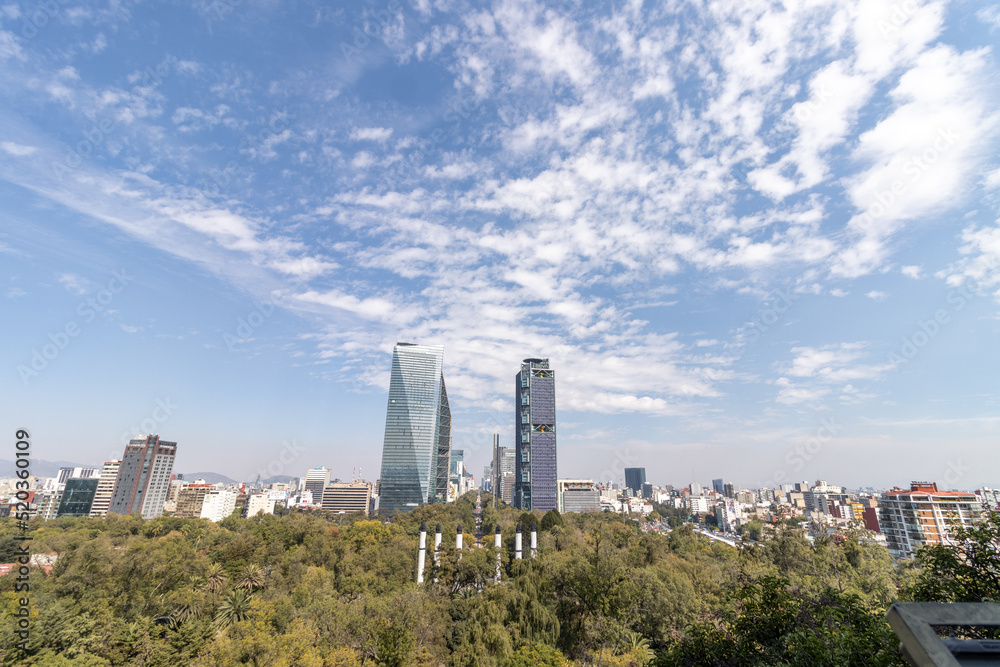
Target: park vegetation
[(311, 590)]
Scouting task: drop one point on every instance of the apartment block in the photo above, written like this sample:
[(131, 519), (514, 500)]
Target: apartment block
[(923, 515)]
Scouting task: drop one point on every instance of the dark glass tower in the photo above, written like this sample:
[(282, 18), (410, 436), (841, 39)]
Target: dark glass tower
[(535, 478), (77, 497), (635, 478), (416, 451)]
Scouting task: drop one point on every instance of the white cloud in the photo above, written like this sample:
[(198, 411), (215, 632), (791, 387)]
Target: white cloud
[(17, 150), (990, 16), (922, 155), (876, 295), (912, 272), (371, 133), (816, 372), (981, 265), (837, 292), (10, 46), (74, 283)]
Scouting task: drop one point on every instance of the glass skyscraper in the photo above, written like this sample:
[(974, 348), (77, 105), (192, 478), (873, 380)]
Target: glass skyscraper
[(635, 478), (77, 497), (535, 479), (416, 452)]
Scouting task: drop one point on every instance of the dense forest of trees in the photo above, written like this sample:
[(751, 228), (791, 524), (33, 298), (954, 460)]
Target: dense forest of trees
[(302, 590)]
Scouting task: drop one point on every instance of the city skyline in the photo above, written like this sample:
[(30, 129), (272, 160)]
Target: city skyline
[(758, 242)]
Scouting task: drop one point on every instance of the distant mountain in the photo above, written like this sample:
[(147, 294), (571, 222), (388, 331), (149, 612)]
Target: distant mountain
[(209, 477), (279, 479), (41, 468)]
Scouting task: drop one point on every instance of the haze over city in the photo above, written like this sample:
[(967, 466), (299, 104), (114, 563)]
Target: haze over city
[(752, 240)]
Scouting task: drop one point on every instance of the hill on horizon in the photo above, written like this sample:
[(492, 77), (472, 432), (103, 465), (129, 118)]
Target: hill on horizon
[(41, 467), (209, 477)]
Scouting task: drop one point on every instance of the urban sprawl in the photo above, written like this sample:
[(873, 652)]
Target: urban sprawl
[(419, 466)]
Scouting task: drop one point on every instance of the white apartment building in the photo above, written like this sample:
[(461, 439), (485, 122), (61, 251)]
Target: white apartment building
[(218, 504)]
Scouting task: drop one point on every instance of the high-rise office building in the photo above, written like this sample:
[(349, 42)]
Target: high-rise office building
[(416, 451), (719, 486), (456, 474), (508, 471), (502, 470), (635, 478), (77, 497), (316, 481), (144, 477), (728, 490), (105, 488), (535, 478)]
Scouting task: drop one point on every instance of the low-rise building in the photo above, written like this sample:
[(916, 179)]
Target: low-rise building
[(698, 504), (578, 495), (259, 503), (348, 497), (191, 500)]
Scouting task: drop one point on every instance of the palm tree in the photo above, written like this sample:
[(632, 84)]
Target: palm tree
[(233, 609), (640, 645), (216, 578), (252, 577)]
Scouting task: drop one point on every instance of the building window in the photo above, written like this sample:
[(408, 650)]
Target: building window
[(543, 428)]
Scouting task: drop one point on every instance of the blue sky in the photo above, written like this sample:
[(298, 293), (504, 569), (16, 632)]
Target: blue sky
[(757, 241)]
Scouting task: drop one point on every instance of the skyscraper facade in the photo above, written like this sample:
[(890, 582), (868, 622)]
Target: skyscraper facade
[(502, 471), (635, 478), (416, 451), (535, 479), (316, 481), (105, 488), (144, 477), (77, 497)]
